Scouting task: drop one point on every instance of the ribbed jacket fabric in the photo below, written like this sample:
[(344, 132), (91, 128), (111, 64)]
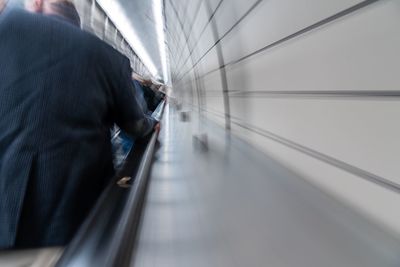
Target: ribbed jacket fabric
[(61, 90)]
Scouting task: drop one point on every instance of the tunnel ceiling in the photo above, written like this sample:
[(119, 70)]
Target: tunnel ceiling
[(140, 16)]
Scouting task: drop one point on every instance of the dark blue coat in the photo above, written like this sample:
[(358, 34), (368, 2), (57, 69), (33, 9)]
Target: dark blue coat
[(61, 90)]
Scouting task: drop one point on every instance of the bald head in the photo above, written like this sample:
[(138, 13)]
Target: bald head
[(2, 5), (34, 5), (62, 8)]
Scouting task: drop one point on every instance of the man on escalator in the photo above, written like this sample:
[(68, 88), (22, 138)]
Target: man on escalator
[(122, 143), (61, 90)]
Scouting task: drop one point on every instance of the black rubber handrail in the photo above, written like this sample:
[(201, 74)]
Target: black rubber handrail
[(107, 236)]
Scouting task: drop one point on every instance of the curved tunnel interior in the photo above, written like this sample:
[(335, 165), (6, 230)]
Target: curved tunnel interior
[(279, 143), (310, 83)]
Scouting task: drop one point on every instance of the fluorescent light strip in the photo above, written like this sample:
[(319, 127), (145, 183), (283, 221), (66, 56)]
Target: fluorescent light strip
[(121, 21), (158, 17)]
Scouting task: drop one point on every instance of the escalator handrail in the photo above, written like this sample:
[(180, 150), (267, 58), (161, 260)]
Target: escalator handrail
[(116, 247)]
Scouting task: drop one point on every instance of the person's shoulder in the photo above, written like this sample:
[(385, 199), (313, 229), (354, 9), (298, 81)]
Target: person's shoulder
[(110, 52), (39, 24), (64, 32), (15, 16)]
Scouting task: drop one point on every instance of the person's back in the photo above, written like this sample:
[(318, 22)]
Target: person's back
[(61, 90)]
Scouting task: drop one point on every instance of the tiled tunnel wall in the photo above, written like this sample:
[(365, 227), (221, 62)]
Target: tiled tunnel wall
[(313, 83)]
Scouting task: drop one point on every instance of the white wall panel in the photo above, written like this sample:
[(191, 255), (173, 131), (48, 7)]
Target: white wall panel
[(201, 21), (275, 19), (205, 42), (212, 104), (363, 133), (213, 83), (213, 115), (210, 61), (333, 89), (191, 15), (230, 12), (354, 53), (214, 4), (376, 202)]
